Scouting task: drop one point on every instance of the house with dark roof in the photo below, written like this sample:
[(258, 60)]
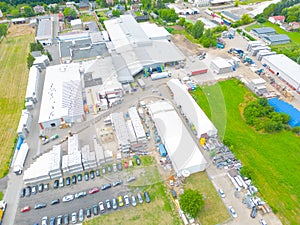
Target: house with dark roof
[(259, 32), (276, 39), (84, 5)]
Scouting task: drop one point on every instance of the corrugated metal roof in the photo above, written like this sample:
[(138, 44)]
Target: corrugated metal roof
[(264, 30), (277, 37), (44, 29)]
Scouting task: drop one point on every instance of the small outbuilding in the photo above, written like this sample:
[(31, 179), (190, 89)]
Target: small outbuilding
[(76, 24), (220, 65)]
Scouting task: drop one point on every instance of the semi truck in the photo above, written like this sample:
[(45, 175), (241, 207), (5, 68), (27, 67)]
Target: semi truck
[(3, 205), (20, 159), (156, 76)]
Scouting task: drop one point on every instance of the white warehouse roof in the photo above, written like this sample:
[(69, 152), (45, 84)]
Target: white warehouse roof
[(32, 85), (191, 109), (153, 31), (182, 149), (62, 94)]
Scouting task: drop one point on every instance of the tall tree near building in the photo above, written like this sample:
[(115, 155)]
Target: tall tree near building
[(3, 30), (198, 29), (191, 202)]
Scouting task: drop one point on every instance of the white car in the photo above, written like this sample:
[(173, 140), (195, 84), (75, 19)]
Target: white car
[(126, 200), (133, 200), (263, 222), (232, 211), (221, 193), (74, 217), (80, 194), (68, 198), (45, 220)]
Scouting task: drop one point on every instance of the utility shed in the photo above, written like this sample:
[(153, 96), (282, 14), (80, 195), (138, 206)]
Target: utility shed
[(76, 24), (276, 39), (191, 109), (284, 68), (182, 149), (220, 65)]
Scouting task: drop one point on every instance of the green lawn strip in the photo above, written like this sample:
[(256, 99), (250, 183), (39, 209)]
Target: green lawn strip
[(214, 211), (13, 83), (87, 18), (273, 159)]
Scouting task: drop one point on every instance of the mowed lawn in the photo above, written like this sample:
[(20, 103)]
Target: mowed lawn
[(13, 83), (272, 159), (294, 36)]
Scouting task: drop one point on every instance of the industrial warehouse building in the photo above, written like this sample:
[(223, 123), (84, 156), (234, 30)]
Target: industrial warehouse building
[(276, 39), (191, 110), (182, 149), (44, 32), (259, 32), (231, 16), (285, 68), (220, 65), (62, 96)]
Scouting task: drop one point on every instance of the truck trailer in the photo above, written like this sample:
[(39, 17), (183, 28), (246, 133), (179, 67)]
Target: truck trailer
[(20, 159), (156, 76)]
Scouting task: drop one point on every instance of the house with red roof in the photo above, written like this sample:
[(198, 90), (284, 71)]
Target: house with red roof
[(276, 19)]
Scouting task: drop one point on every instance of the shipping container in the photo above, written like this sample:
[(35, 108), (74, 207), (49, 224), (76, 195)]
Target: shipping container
[(162, 150), (156, 76), (196, 72)]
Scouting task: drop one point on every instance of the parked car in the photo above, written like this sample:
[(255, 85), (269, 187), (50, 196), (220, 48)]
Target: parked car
[(22, 193), (68, 198), (86, 176), (120, 200), (138, 161), (108, 205), (88, 212), (59, 220), (119, 166), (40, 205), (55, 201), (92, 174), (101, 207), (103, 170), (130, 164), (79, 177), (105, 186), (126, 200), (95, 210), (80, 194), (140, 199), (52, 221), (46, 187), (114, 203), (253, 212), (33, 189), (41, 187), (147, 197), (74, 217), (232, 212), (116, 183), (93, 191), (55, 184), (74, 179), (115, 167), (97, 173), (109, 168), (221, 193), (173, 193), (130, 179), (61, 182), (66, 219), (27, 191), (81, 215), (125, 165), (68, 181), (263, 222), (25, 209), (45, 220), (133, 200)]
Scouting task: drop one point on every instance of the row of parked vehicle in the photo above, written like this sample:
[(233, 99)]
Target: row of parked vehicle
[(97, 209), (32, 190)]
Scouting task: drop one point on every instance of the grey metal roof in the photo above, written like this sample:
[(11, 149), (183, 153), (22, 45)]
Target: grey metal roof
[(264, 30), (44, 29), (124, 74), (277, 37), (230, 15)]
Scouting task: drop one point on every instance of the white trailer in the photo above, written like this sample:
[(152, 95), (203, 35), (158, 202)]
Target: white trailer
[(141, 83), (20, 159), (156, 76)]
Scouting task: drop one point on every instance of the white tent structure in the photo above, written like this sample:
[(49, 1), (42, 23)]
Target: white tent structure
[(182, 149), (191, 109)]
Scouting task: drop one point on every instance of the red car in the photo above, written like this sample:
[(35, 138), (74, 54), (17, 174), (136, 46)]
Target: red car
[(125, 165), (93, 191), (25, 209)]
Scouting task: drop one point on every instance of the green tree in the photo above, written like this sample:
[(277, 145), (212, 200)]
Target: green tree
[(246, 19), (298, 60), (236, 3), (296, 130), (4, 7), (70, 13), (188, 26), (102, 3), (191, 202), (3, 30), (261, 19), (15, 13), (28, 11), (116, 13), (49, 55), (269, 11), (147, 4), (198, 29), (54, 9), (168, 15), (30, 60), (291, 18), (181, 21)]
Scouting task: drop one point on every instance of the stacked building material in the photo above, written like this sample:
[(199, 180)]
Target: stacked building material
[(55, 162), (88, 158), (100, 158), (119, 126)]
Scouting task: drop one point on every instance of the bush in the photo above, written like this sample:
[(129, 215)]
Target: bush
[(296, 130)]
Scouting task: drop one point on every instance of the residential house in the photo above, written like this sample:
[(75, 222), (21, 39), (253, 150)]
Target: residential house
[(276, 19), (294, 25), (38, 9), (84, 5)]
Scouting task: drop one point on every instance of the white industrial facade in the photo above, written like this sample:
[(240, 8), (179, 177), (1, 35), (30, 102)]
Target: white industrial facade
[(284, 68), (182, 149), (220, 65), (32, 90), (191, 109), (62, 96)]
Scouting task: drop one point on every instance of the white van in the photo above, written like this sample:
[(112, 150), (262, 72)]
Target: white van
[(61, 182)]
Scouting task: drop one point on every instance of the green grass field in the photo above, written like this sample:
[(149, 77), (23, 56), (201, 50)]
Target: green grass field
[(294, 36), (13, 83), (272, 159)]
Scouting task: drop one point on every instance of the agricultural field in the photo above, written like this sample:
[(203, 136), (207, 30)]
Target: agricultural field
[(272, 160), (13, 83)]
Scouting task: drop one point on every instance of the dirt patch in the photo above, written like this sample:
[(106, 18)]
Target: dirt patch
[(178, 27), (19, 30), (187, 47)]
